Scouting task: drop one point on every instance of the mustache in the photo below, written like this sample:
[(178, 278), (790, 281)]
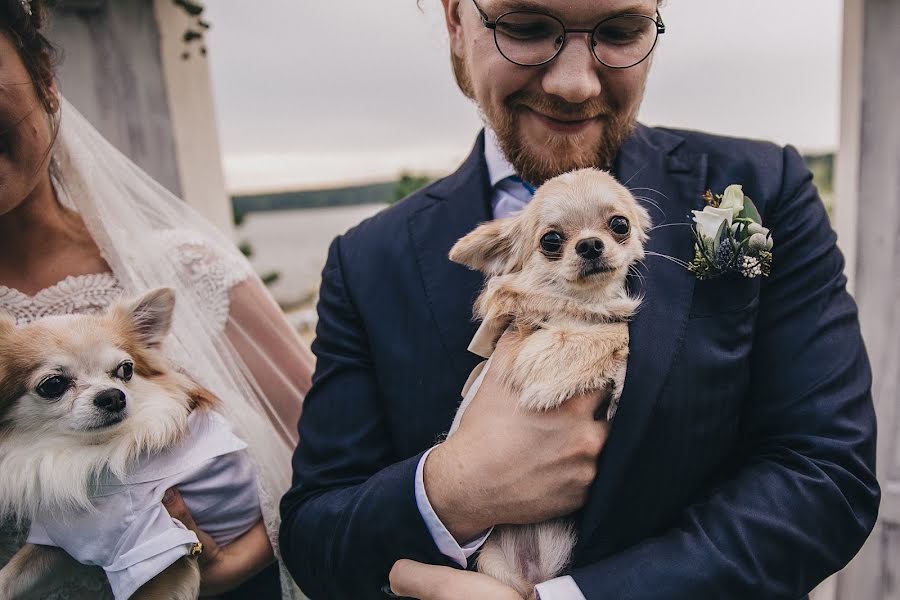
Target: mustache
[(553, 106)]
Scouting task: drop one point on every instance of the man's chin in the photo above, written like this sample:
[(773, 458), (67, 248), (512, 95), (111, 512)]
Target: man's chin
[(548, 156)]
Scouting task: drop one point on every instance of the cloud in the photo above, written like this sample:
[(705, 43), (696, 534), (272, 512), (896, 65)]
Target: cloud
[(307, 91)]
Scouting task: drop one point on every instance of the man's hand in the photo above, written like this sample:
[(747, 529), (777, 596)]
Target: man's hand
[(505, 466), (410, 579), (223, 568)]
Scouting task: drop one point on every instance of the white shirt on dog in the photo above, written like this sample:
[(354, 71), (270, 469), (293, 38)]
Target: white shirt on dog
[(131, 535)]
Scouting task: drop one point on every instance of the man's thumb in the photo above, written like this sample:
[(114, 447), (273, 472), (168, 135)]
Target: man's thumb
[(413, 579)]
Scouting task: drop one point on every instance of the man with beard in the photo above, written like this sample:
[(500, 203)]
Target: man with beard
[(741, 464)]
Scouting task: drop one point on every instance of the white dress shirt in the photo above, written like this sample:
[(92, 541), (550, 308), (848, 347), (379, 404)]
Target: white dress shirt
[(132, 536), (510, 194)]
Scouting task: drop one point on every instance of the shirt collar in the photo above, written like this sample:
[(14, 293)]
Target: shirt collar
[(499, 168)]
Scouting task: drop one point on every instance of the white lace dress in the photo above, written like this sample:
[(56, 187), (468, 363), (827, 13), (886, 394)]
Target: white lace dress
[(210, 272)]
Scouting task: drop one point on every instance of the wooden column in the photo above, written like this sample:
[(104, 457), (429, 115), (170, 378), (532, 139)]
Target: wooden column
[(868, 224), (122, 69)]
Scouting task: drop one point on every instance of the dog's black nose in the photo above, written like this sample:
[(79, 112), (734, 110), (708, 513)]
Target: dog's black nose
[(112, 400), (589, 249)]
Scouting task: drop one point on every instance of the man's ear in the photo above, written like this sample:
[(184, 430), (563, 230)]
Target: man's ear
[(489, 248), (453, 20), (149, 317)]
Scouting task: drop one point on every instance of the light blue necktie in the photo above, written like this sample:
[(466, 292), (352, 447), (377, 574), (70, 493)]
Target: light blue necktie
[(512, 194)]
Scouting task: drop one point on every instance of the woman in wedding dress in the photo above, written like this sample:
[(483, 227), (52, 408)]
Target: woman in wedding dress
[(80, 226)]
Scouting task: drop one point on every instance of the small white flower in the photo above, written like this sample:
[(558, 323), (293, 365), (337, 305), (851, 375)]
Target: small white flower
[(733, 199), (710, 219)]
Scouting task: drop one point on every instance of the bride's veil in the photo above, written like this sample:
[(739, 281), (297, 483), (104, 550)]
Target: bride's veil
[(248, 357)]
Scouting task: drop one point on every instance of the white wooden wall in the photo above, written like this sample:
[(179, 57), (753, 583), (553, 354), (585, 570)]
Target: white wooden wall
[(122, 69), (868, 224)]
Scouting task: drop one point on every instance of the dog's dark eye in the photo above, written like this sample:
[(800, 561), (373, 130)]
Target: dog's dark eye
[(53, 387), (619, 226), (551, 243), (125, 371)]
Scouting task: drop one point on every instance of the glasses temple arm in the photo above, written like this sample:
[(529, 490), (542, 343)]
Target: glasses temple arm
[(484, 18)]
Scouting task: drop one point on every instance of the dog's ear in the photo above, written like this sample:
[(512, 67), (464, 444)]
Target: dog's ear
[(644, 222), (149, 317), (489, 248)]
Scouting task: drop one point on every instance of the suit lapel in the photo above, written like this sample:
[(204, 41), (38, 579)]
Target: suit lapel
[(457, 205), (670, 184)]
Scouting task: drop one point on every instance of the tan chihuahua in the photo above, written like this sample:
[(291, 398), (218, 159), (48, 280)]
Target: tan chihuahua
[(556, 274), (83, 400)]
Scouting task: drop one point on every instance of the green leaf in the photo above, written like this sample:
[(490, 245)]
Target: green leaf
[(718, 239), (271, 277), (192, 8), (750, 211)]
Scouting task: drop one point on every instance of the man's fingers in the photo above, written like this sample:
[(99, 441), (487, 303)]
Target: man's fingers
[(413, 579), (595, 402)]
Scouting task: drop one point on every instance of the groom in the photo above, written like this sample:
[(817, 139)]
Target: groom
[(741, 462)]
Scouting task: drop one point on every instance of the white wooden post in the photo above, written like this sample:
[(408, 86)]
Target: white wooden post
[(868, 223)]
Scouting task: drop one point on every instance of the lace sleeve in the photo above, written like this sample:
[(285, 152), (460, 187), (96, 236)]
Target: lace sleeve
[(211, 270)]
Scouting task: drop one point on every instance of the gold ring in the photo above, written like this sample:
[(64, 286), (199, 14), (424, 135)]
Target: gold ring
[(196, 549)]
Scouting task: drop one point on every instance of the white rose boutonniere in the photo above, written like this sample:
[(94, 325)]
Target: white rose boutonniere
[(729, 237)]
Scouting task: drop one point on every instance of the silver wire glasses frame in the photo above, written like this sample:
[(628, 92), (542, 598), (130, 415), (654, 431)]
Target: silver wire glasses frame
[(532, 38)]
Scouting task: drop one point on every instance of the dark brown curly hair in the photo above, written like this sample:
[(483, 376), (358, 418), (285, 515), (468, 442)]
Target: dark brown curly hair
[(37, 53)]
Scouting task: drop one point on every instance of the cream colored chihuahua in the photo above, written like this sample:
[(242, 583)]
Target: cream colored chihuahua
[(556, 275), (95, 425)]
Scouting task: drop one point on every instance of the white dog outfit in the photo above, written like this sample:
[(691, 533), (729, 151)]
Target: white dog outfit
[(131, 535)]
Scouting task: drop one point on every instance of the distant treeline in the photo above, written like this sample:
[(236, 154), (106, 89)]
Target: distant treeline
[(822, 166), (374, 193)]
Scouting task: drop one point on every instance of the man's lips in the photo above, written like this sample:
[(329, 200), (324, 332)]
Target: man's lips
[(564, 124)]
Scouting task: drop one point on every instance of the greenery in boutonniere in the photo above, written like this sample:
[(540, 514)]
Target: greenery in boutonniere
[(729, 237)]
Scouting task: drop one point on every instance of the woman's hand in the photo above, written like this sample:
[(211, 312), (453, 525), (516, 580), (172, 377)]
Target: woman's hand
[(223, 568), (410, 579)]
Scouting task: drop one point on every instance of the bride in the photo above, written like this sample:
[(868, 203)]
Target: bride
[(81, 225)]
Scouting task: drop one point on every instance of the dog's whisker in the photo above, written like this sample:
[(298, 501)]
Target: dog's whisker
[(661, 225), (655, 191), (636, 173), (637, 274), (677, 261)]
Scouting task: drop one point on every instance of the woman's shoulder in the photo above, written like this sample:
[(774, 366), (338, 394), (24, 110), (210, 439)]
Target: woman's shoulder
[(204, 266), (203, 255)]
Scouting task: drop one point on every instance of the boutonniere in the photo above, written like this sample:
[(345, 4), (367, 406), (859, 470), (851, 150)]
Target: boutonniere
[(729, 237)]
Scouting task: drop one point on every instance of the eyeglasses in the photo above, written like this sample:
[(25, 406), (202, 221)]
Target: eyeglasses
[(530, 38)]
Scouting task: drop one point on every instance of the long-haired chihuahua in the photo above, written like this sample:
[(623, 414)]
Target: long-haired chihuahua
[(85, 402), (556, 285)]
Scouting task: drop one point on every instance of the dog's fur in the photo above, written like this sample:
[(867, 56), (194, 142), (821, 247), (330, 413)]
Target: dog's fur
[(52, 452), (567, 317)]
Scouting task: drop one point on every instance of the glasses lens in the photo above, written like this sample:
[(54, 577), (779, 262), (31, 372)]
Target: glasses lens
[(625, 40), (528, 38)]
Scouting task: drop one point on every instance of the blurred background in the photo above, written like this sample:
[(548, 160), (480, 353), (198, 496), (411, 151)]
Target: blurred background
[(331, 109), (287, 122)]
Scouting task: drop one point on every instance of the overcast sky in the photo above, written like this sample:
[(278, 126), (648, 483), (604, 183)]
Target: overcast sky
[(322, 92)]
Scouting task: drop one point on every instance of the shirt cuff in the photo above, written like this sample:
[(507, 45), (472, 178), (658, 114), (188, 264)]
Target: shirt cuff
[(561, 588), (443, 539)]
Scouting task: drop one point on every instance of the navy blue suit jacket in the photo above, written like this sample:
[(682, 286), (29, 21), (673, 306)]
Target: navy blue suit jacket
[(741, 462)]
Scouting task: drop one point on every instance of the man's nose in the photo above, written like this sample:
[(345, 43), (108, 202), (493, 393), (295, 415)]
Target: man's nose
[(573, 74)]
